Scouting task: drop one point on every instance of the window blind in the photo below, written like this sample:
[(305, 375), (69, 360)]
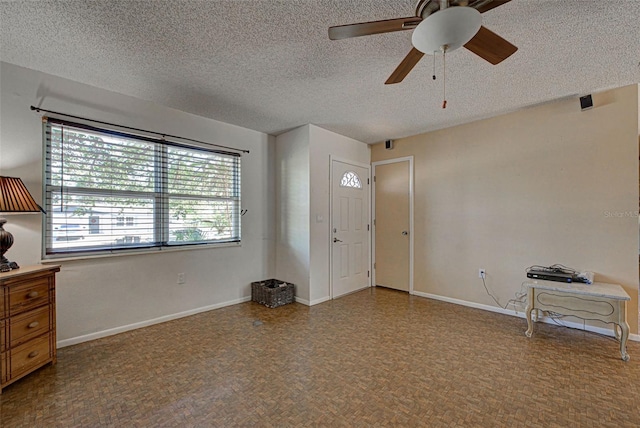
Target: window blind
[(107, 190)]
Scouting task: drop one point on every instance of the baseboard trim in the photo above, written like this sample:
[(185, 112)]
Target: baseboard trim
[(313, 302), (301, 300), (134, 326), (320, 300), (599, 330)]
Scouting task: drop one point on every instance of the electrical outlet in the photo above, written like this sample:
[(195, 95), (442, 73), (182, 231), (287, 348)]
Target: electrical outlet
[(181, 279), (482, 274)]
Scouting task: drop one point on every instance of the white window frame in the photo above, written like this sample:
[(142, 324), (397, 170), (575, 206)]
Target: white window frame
[(161, 197)]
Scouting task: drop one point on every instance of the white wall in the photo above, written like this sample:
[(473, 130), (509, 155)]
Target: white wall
[(323, 145), (292, 209), (303, 166), (105, 295)]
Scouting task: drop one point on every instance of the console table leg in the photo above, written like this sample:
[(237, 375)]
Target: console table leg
[(528, 311), (624, 335)]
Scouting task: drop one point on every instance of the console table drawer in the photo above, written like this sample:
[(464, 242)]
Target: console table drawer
[(584, 307), (30, 355), (29, 325)]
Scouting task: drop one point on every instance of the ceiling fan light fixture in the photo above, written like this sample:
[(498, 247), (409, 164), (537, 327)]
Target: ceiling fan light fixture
[(449, 28)]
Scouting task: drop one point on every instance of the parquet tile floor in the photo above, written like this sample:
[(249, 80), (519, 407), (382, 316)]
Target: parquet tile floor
[(374, 358)]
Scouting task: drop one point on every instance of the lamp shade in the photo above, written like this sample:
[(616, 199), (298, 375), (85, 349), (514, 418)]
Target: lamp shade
[(449, 28), (15, 198)]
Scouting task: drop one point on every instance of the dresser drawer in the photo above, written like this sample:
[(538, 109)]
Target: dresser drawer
[(29, 325), (30, 355), (3, 336), (28, 295), (3, 291), (3, 368), (27, 321)]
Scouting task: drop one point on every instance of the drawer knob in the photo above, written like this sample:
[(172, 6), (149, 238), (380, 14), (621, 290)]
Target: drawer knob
[(32, 294), (34, 324), (33, 354)]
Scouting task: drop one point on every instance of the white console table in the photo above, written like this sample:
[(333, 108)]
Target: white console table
[(597, 301)]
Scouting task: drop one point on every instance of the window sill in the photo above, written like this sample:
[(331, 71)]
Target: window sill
[(135, 252)]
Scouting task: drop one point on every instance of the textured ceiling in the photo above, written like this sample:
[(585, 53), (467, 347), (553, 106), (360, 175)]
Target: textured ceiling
[(270, 66)]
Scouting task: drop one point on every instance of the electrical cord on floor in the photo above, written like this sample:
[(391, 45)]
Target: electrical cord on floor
[(553, 316), (489, 293), (520, 296)]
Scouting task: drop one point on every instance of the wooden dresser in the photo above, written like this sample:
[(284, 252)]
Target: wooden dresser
[(27, 321)]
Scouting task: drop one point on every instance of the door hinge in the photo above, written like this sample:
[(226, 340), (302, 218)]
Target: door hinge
[(368, 274), (374, 178), (367, 228), (368, 181), (374, 221)]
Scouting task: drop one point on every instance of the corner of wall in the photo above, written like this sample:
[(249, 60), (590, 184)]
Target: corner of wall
[(292, 209)]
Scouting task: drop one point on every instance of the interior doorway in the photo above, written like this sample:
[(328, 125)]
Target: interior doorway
[(392, 208), (350, 227)]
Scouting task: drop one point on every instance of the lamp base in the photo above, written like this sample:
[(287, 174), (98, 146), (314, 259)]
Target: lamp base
[(6, 265), (6, 241)]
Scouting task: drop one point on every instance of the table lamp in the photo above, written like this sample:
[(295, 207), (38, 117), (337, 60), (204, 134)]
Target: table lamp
[(14, 198)]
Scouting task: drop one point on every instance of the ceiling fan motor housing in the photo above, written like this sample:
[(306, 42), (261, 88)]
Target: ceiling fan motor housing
[(447, 29)]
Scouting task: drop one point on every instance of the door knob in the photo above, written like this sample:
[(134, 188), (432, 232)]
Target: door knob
[(336, 240), (405, 233)]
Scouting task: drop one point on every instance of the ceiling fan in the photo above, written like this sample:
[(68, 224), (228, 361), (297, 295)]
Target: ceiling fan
[(439, 26)]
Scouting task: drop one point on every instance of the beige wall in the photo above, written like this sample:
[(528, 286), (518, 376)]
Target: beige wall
[(549, 184)]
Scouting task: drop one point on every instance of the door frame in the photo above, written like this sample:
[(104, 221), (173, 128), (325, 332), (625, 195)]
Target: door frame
[(373, 210), (369, 228)]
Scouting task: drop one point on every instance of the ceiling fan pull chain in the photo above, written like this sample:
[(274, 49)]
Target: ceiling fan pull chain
[(434, 65), (444, 77)]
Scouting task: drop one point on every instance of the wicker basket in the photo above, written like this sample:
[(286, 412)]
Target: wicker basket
[(272, 292)]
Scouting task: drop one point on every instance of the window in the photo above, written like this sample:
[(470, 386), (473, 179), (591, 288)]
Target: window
[(350, 179), (107, 190), (120, 221)]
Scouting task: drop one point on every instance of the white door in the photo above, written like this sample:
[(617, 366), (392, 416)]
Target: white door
[(392, 220), (349, 228)]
